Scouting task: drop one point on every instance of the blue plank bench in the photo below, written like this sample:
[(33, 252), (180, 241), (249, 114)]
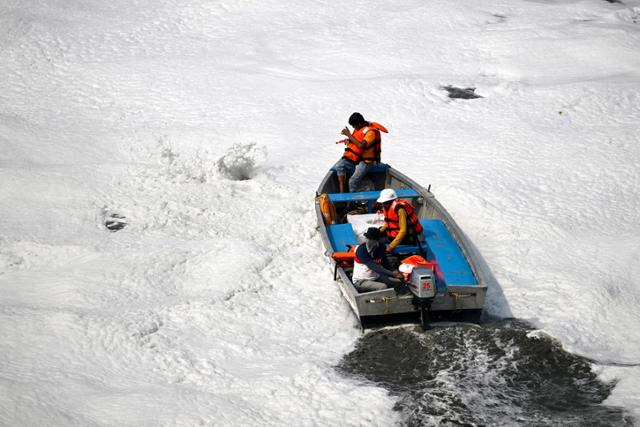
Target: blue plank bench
[(439, 245), (341, 237), (377, 168), (370, 196)]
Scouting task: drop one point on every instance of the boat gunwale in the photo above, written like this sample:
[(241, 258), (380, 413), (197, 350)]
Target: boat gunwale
[(355, 298)]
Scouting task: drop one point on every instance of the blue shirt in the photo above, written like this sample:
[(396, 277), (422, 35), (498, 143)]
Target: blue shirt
[(377, 261)]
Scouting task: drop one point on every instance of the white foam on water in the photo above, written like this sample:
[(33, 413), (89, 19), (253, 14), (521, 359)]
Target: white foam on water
[(209, 126)]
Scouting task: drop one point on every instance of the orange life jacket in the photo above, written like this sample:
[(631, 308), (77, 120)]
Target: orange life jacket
[(418, 261), (345, 259), (393, 220), (328, 209), (371, 154)]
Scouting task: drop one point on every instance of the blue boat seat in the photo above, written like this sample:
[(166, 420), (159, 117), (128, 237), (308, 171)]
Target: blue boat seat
[(439, 245), (341, 237), (370, 196), (377, 168)]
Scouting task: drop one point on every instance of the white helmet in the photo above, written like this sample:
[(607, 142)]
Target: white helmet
[(387, 195)]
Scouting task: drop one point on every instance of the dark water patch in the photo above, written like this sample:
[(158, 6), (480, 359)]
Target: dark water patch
[(466, 316), (114, 221), (461, 93), (500, 374)]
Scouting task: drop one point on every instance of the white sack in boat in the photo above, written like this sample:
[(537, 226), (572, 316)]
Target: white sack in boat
[(361, 223)]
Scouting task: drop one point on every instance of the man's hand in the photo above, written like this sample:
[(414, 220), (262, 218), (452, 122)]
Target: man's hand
[(398, 275), (346, 132)]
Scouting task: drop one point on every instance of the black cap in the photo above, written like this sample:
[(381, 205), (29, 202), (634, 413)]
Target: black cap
[(373, 233)]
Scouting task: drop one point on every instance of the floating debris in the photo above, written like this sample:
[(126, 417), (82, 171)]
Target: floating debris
[(461, 93), (114, 222)]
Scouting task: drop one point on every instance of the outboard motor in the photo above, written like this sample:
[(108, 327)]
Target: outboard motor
[(422, 284)]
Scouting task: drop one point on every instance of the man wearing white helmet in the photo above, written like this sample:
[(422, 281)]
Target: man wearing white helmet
[(401, 223)]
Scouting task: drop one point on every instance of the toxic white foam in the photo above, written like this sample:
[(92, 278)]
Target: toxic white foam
[(207, 127)]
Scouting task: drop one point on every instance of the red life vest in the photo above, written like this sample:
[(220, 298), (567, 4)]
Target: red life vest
[(393, 220), (371, 154)]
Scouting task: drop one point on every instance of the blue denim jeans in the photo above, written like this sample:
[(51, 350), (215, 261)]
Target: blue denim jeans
[(344, 167), (357, 172), (355, 182)]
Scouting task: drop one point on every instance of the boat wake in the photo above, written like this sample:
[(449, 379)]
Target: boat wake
[(502, 373)]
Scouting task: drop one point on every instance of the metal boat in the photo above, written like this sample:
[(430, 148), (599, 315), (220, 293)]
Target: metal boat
[(453, 274)]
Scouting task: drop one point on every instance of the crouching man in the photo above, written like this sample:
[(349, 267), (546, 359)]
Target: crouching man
[(371, 268)]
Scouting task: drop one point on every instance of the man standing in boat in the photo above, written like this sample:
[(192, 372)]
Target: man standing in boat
[(363, 150), (371, 268), (400, 221)]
